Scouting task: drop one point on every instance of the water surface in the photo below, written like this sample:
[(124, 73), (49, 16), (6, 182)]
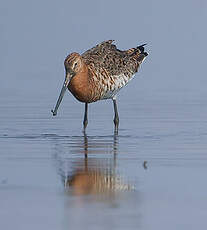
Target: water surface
[(150, 176)]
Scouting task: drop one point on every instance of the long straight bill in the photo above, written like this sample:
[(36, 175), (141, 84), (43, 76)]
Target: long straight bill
[(65, 85)]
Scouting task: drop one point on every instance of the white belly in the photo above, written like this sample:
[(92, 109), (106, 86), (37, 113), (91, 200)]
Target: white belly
[(121, 81)]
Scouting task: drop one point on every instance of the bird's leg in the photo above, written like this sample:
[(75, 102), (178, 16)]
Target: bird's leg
[(85, 148), (85, 120), (116, 115)]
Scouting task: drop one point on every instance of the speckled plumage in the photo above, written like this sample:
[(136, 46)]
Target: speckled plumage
[(99, 74), (109, 69)]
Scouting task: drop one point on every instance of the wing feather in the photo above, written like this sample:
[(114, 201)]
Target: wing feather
[(113, 68)]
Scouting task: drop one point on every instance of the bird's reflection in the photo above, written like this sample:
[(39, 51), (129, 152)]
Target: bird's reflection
[(85, 173)]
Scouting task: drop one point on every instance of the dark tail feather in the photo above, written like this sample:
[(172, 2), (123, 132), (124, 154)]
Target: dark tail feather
[(141, 49), (137, 52)]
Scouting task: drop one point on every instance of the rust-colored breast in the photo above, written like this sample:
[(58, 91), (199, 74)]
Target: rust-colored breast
[(80, 86)]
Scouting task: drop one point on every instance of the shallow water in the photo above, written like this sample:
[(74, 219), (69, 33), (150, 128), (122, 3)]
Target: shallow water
[(152, 175)]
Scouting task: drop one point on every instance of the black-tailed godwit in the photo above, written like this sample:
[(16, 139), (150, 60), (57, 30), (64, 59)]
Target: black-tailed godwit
[(99, 74)]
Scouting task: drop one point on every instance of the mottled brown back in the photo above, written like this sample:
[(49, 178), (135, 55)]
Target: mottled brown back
[(110, 68), (115, 61)]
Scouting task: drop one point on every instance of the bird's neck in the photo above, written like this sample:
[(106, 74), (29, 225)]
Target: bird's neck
[(79, 85)]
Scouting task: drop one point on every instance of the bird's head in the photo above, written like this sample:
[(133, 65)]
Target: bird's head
[(73, 65)]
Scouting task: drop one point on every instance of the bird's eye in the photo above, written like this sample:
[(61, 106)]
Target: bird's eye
[(75, 65)]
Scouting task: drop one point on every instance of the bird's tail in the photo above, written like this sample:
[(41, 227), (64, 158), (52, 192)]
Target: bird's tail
[(141, 49), (138, 53)]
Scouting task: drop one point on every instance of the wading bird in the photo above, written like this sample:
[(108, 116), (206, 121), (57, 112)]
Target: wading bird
[(99, 74)]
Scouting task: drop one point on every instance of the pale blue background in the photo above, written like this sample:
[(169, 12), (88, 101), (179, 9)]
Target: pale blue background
[(36, 36), (162, 116)]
